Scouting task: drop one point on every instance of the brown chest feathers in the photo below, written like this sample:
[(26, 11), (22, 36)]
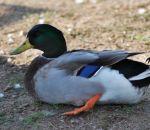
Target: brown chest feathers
[(35, 65)]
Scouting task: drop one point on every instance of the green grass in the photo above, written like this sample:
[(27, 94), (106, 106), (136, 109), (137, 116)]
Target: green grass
[(139, 37), (33, 118)]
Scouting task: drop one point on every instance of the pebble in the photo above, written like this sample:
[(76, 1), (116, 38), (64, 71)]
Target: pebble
[(74, 121), (9, 60), (10, 38), (21, 118), (14, 96), (1, 52), (48, 113), (69, 30), (41, 21), (79, 1), (9, 35), (21, 33), (141, 11), (17, 86), (1, 95)]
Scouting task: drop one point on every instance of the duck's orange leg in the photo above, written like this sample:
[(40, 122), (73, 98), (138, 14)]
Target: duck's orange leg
[(89, 105)]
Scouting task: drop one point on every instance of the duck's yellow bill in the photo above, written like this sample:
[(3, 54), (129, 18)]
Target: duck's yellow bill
[(25, 46)]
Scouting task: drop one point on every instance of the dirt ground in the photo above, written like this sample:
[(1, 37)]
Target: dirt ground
[(87, 24)]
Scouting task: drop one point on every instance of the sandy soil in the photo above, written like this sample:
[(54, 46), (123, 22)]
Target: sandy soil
[(91, 24)]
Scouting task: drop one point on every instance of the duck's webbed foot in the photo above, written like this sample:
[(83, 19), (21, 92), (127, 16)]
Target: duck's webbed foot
[(89, 105)]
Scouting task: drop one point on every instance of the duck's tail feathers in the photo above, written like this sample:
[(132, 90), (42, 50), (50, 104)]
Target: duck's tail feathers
[(141, 80), (135, 53), (143, 75)]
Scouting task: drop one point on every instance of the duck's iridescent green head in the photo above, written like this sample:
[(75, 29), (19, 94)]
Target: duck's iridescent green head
[(46, 38)]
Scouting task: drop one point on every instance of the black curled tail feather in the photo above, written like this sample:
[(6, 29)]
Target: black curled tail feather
[(148, 60), (141, 80)]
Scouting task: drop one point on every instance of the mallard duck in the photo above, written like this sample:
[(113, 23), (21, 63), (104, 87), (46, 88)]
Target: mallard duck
[(81, 77)]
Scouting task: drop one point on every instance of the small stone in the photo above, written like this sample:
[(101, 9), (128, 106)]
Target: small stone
[(109, 38), (48, 113), (19, 67), (41, 21), (14, 96), (70, 28), (74, 121), (21, 118), (1, 52), (17, 86), (141, 11), (21, 33), (9, 35), (10, 40), (79, 1), (124, 32), (9, 60), (1, 95)]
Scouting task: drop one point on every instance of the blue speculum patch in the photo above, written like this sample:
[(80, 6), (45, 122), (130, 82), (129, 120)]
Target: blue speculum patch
[(88, 70)]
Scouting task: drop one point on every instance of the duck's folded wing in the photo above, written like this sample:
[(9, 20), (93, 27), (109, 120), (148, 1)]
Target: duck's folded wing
[(107, 58), (103, 58)]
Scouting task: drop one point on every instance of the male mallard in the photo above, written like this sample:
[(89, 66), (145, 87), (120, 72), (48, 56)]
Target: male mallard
[(81, 76)]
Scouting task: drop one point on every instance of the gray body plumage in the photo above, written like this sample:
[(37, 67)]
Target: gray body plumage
[(56, 82)]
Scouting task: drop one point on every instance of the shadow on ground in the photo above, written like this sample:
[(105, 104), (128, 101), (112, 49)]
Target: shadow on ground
[(13, 13), (10, 73)]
